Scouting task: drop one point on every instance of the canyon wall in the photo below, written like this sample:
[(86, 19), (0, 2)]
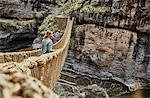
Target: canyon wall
[(110, 33), (114, 35), (125, 54), (17, 24)]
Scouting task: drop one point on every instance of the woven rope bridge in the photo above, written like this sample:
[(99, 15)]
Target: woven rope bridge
[(46, 67)]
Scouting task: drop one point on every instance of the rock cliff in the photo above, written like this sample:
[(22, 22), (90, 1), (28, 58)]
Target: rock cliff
[(123, 45), (17, 24), (132, 15), (17, 9), (20, 19), (125, 54), (111, 33)]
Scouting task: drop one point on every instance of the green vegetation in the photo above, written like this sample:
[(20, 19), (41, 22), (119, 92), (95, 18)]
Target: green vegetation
[(49, 23), (73, 42), (92, 9), (16, 24), (68, 8)]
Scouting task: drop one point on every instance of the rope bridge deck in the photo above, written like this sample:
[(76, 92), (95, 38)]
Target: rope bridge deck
[(46, 67)]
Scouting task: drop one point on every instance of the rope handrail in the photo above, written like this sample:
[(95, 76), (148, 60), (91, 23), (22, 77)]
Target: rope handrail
[(47, 67), (57, 44)]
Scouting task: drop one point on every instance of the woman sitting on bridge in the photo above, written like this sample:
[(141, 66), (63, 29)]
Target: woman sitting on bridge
[(47, 42)]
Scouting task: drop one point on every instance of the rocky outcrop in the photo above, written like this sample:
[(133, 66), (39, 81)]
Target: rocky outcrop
[(15, 34), (139, 65), (20, 20), (106, 44), (20, 9), (123, 14), (15, 84), (17, 24), (123, 53)]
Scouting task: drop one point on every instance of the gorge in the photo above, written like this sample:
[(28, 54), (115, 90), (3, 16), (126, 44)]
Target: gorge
[(109, 46)]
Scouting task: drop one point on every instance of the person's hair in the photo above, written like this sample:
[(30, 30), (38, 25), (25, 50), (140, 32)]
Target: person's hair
[(48, 32)]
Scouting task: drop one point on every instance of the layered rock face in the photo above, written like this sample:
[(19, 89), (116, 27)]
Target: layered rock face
[(129, 14), (15, 34), (17, 24), (20, 19), (106, 44), (17, 9), (123, 53)]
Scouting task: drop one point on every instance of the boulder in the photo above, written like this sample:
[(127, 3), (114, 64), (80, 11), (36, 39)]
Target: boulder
[(125, 54), (106, 45), (18, 85)]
